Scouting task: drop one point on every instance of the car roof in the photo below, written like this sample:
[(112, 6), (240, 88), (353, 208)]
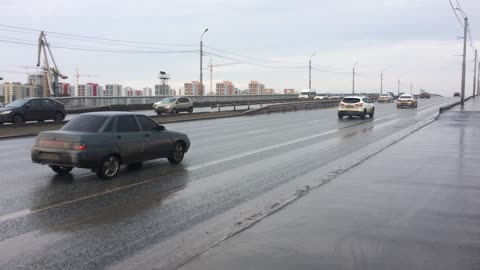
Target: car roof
[(355, 97), (110, 113)]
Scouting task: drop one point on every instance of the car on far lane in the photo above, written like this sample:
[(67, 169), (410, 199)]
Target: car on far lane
[(173, 105), (385, 98), (407, 100), (320, 97), (102, 141), (356, 106), (32, 109), (456, 94)]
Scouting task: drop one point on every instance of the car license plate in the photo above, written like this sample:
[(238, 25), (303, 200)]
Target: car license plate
[(50, 156), (349, 106)]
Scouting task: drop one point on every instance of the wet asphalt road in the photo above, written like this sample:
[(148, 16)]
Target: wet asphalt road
[(80, 222)]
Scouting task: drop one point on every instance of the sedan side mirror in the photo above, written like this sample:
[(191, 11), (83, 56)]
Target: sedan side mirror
[(160, 128), (27, 106)]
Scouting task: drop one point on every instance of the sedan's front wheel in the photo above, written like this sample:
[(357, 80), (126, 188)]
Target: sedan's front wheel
[(61, 170), (109, 167), (177, 154)]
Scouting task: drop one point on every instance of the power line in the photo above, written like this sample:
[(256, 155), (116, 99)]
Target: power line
[(99, 50), (250, 63), (455, 12), (253, 58), (95, 38)]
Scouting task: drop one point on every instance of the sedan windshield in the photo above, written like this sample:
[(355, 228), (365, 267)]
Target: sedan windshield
[(168, 100), (406, 97), (17, 103), (85, 123)]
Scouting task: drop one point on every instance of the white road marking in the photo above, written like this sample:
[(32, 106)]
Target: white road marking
[(258, 131)]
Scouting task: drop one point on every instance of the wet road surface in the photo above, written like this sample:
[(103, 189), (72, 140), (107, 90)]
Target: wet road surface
[(80, 222), (415, 205)]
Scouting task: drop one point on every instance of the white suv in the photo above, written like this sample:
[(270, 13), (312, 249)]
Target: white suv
[(356, 106)]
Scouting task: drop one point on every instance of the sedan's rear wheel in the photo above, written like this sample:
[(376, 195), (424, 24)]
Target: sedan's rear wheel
[(174, 111), (340, 116), (109, 167), (190, 110), (177, 154), (364, 114), (59, 116), (372, 113), (61, 169)]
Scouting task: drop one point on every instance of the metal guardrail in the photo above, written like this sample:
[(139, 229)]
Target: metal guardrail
[(78, 102)]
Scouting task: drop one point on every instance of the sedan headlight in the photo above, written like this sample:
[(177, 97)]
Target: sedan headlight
[(5, 112)]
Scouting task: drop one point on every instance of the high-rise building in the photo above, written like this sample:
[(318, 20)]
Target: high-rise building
[(256, 88), (16, 90), (192, 89), (66, 90), (162, 90), (40, 81), (130, 92), (225, 88), (147, 91), (269, 91), (90, 90), (289, 91), (112, 90)]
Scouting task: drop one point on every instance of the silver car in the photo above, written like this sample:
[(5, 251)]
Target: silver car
[(173, 105), (102, 141)]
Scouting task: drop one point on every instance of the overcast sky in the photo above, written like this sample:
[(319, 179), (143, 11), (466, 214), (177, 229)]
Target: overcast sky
[(411, 40)]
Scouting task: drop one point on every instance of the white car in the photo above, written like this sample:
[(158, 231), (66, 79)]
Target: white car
[(321, 97), (356, 106), (406, 100), (385, 98)]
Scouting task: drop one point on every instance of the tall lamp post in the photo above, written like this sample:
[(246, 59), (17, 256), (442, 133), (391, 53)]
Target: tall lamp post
[(310, 71), (201, 62), (465, 27), (353, 79)]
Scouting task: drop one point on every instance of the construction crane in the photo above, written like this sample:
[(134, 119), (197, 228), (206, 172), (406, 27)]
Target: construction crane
[(210, 65), (77, 76), (51, 71)]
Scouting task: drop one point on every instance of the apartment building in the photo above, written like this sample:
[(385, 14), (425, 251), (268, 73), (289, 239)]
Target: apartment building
[(192, 89), (15, 90), (269, 91), (147, 91), (66, 90), (256, 88), (225, 88), (112, 90), (90, 90), (289, 91)]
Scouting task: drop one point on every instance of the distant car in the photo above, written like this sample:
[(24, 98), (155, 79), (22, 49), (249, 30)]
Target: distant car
[(385, 98), (320, 97), (335, 97), (356, 106), (424, 94), (102, 141), (406, 100), (307, 94), (32, 109), (173, 105), (456, 94)]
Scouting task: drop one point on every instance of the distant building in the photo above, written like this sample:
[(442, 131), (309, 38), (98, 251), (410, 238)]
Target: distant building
[(147, 91), (289, 91), (256, 88), (113, 90), (16, 90), (40, 81), (225, 88), (192, 89), (269, 91), (66, 90), (90, 90), (163, 90), (130, 92)]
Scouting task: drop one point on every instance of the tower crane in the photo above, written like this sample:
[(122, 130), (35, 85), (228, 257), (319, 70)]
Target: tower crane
[(77, 76), (210, 65), (51, 71)]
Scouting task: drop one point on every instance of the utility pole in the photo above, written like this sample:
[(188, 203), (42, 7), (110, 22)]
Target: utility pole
[(201, 64), (310, 71), (411, 88), (353, 81), (381, 83), (475, 74), (462, 98), (211, 75), (398, 88), (478, 80)]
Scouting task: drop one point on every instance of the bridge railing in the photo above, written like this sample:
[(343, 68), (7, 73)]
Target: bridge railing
[(76, 102)]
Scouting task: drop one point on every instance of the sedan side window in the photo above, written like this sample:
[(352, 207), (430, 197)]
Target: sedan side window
[(35, 104), (47, 104), (127, 123), (146, 123)]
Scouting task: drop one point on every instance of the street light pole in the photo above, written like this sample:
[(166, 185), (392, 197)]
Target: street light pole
[(465, 27), (475, 75), (353, 78), (398, 89), (201, 62), (310, 71), (381, 83)]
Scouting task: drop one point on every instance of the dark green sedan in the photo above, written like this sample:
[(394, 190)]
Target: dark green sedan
[(103, 141)]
